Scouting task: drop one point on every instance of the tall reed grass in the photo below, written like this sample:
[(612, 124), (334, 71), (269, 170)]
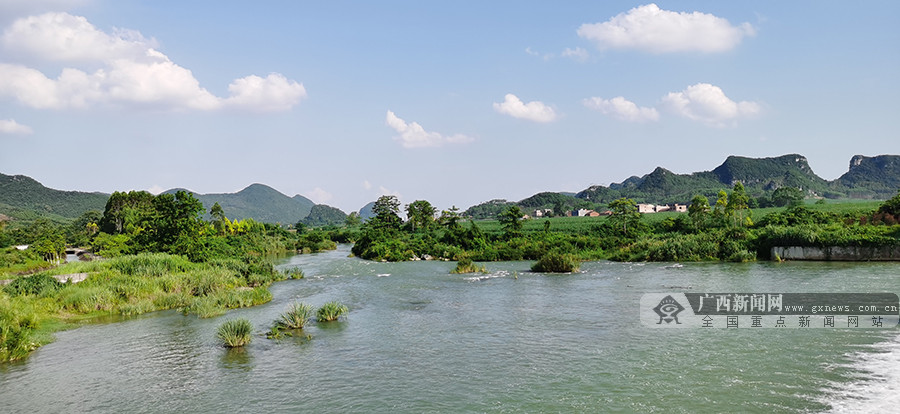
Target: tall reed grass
[(235, 333), (331, 311)]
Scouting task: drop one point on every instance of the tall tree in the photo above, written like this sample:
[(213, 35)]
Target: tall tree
[(125, 211), (511, 222), (420, 215), (698, 211), (737, 204), (387, 214), (624, 212), (176, 225), (218, 218)]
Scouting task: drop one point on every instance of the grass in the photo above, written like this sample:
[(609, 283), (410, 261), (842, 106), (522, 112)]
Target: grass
[(331, 311), (466, 265), (126, 285), (296, 316), (235, 333), (556, 262)]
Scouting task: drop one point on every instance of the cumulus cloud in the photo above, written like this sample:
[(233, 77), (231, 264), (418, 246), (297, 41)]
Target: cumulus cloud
[(62, 37), (651, 29), (272, 93), (11, 127), (708, 104), (132, 72), (412, 135), (622, 109), (533, 111)]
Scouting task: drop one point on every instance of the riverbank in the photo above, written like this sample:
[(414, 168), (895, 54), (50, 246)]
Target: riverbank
[(31, 307)]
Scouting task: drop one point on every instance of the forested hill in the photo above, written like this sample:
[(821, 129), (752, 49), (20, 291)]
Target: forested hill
[(869, 177), (878, 175), (21, 195), (23, 198), (259, 202)]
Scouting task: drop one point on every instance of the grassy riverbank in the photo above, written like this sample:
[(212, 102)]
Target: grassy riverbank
[(33, 307)]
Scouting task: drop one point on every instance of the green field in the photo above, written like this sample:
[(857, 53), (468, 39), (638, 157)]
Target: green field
[(584, 225)]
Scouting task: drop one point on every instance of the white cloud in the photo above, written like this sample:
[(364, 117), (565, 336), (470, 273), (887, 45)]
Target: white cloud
[(622, 109), (272, 93), (533, 111), (650, 29), (367, 185), (63, 37), (412, 135), (578, 54), (708, 104), (319, 196), (131, 72), (11, 127)]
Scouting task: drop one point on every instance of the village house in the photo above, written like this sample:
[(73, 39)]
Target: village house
[(651, 208)]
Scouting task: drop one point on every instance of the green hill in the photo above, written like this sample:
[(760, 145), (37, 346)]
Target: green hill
[(876, 177), (259, 202), (767, 174), (322, 215), (22, 197)]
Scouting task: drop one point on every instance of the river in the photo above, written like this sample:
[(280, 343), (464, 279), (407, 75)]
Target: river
[(418, 339)]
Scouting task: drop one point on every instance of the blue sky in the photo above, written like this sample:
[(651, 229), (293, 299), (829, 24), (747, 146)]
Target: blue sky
[(452, 102)]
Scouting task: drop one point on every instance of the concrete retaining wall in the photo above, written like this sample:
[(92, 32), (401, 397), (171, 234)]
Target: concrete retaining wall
[(848, 254)]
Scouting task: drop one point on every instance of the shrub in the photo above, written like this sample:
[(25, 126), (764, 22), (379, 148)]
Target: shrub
[(465, 265), (33, 285), (555, 262), (235, 333), (331, 311), (296, 316)]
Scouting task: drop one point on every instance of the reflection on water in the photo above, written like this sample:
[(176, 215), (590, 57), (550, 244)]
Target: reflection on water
[(237, 358), (422, 340)]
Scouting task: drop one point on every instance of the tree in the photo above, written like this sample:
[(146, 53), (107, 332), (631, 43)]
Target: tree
[(891, 206), (175, 225), (420, 214), (787, 196), (511, 222), (698, 211), (624, 212), (125, 211), (218, 218), (737, 204), (719, 211), (450, 218), (387, 214), (352, 219)]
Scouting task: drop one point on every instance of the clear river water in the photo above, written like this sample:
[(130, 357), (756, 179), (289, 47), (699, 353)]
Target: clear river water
[(418, 339)]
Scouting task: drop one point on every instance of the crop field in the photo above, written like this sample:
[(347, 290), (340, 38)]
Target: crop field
[(585, 224)]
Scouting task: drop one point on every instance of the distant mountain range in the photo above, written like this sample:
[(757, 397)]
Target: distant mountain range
[(868, 177), (22, 197)]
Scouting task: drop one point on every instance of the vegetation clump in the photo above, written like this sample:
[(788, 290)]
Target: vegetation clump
[(296, 316), (466, 265), (235, 333), (556, 262), (331, 311)]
